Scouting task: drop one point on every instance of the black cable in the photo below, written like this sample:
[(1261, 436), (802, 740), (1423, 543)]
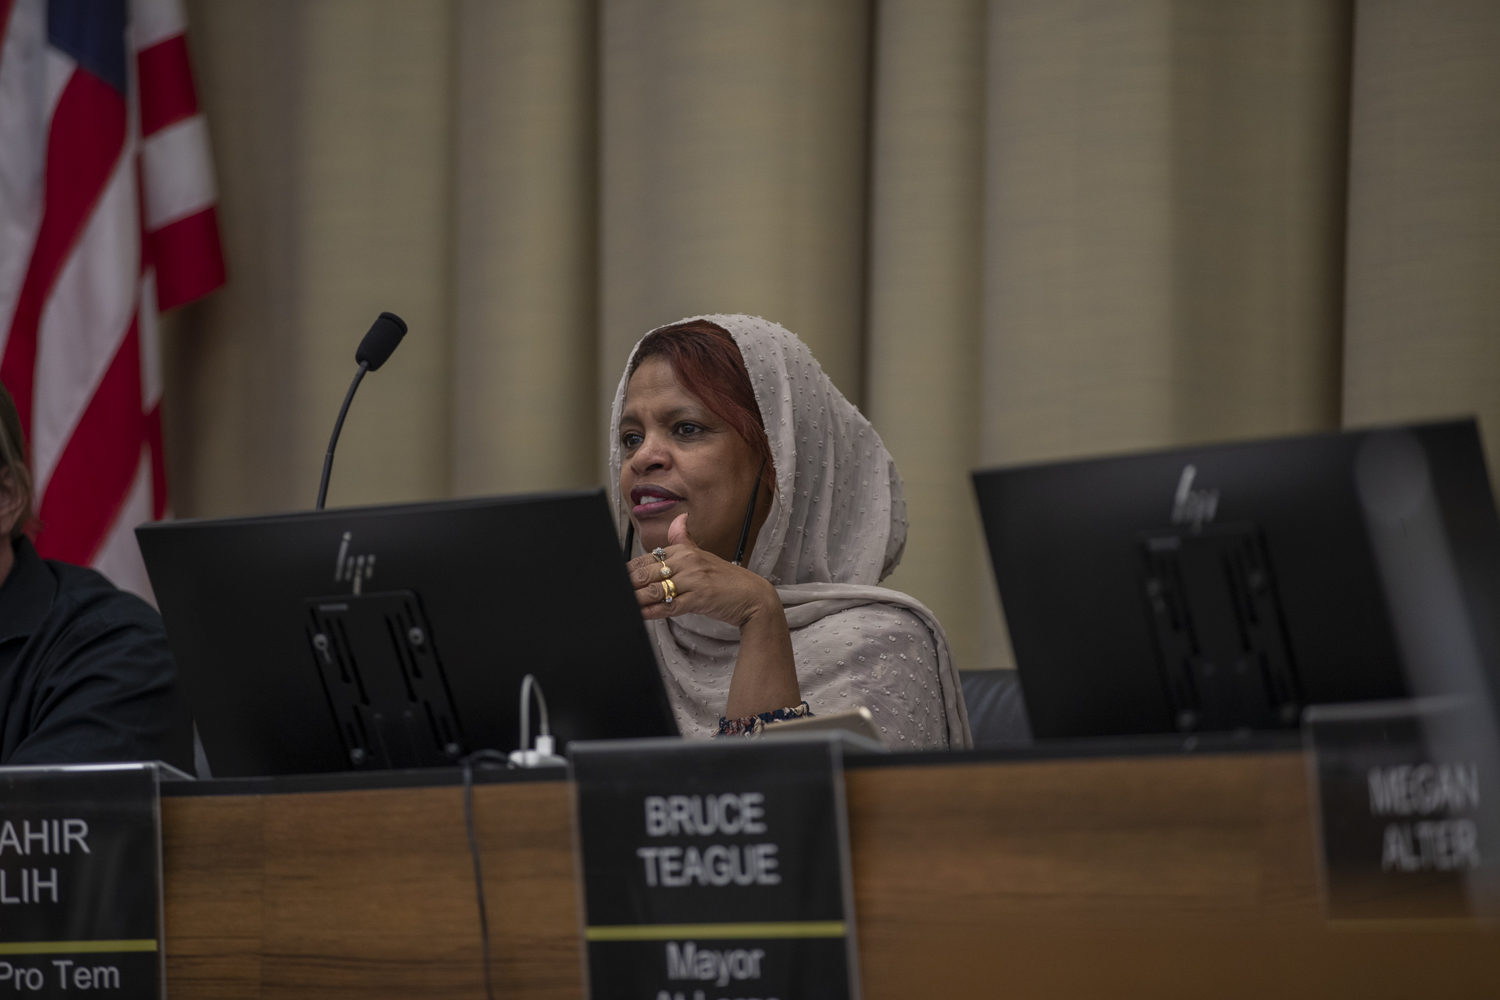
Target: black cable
[(338, 426), (482, 757), (739, 553)]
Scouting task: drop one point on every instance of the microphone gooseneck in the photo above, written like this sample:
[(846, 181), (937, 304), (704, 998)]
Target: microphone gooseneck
[(338, 426), (374, 350)]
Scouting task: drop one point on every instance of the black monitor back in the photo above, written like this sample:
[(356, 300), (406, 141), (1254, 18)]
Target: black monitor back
[(397, 636), (1219, 587)]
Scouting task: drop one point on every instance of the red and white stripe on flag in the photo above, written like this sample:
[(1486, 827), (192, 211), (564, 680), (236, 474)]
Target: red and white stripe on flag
[(106, 216)]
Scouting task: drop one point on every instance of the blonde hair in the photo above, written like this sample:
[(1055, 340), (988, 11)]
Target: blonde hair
[(13, 463)]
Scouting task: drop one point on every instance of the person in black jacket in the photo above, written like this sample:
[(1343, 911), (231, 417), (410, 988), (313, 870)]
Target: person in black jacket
[(85, 672)]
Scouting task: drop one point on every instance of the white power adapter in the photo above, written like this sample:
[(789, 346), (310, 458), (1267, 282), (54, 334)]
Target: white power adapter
[(543, 755)]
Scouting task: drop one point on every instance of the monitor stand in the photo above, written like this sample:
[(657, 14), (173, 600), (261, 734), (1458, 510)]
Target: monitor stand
[(1214, 612), (379, 664)]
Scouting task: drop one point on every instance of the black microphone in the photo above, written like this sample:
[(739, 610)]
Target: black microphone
[(378, 345), (382, 339)]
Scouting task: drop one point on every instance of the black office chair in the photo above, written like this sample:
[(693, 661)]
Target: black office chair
[(997, 710)]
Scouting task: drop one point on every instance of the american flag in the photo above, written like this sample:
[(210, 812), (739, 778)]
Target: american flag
[(106, 218)]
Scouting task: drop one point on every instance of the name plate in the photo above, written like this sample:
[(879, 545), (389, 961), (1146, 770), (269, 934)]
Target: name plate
[(1403, 792), (715, 869), (80, 881)]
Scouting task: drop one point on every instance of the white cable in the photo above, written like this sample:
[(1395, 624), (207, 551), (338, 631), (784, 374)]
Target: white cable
[(543, 755)]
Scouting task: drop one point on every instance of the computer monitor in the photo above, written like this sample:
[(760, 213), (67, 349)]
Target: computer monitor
[(397, 636), (1226, 587)]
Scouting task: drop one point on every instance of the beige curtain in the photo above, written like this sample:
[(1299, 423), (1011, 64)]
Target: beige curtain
[(926, 280), (1423, 332), (732, 171), (332, 130), (1013, 231), (526, 244)]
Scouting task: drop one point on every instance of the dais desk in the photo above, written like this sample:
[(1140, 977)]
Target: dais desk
[(1142, 873)]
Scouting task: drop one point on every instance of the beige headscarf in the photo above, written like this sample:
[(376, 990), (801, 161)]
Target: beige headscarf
[(837, 527)]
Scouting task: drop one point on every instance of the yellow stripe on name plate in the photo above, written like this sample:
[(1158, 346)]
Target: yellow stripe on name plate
[(666, 932), (75, 947)]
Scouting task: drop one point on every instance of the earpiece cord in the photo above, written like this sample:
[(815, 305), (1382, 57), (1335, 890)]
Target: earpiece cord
[(739, 553)]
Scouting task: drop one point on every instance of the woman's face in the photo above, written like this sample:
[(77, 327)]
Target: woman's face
[(681, 458)]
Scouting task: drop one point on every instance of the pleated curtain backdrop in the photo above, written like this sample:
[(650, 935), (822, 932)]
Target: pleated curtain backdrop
[(1012, 231)]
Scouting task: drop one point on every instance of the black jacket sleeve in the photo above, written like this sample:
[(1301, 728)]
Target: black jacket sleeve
[(107, 693)]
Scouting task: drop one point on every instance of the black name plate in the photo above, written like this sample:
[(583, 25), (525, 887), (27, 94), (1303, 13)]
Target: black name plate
[(715, 869), (80, 881), (1403, 789)]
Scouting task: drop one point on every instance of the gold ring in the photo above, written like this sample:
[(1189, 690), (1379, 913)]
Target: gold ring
[(670, 589), (660, 554), (666, 571)]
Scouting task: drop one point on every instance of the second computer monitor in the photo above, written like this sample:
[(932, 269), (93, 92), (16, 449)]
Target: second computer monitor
[(1225, 587)]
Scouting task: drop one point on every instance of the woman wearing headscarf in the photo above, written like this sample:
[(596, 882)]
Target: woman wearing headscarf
[(768, 510)]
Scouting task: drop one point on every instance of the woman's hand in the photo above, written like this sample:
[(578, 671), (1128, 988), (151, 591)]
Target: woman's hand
[(705, 584), (765, 673)]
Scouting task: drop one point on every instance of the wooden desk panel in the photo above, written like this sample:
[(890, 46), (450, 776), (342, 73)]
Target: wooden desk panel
[(1160, 876), (1179, 876), (369, 894), (213, 855)]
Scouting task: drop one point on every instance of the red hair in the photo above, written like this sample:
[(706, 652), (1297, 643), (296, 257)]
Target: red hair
[(708, 363)]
